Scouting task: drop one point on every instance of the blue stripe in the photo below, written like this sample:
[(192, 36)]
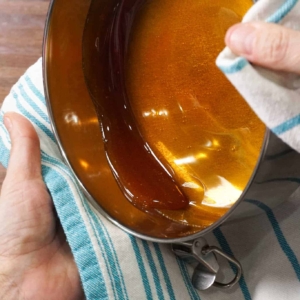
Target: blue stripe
[(4, 128), (59, 164), (92, 278), (279, 235), (187, 280), (33, 104), (6, 137), (285, 8), (153, 270), (103, 253), (93, 282), (226, 248), (71, 233), (4, 154), (237, 65), (287, 125), (32, 118), (34, 89), (114, 253), (141, 267), (66, 171), (110, 262), (108, 249), (164, 271)]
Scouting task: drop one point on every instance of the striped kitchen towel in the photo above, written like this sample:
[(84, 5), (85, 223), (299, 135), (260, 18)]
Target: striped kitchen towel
[(115, 265), (274, 96)]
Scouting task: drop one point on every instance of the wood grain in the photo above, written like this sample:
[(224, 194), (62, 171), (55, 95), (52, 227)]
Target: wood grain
[(21, 34)]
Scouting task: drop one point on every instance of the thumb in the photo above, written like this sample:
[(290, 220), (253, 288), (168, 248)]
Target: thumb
[(26, 210), (24, 163), (268, 45)]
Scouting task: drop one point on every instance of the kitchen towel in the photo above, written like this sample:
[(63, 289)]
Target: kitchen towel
[(274, 96), (115, 265)]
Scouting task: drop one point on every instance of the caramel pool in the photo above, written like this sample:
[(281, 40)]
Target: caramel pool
[(190, 116)]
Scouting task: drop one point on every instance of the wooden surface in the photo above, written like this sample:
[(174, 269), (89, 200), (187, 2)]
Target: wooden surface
[(21, 34)]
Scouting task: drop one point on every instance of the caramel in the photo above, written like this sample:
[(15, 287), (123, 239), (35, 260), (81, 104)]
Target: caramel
[(180, 141)]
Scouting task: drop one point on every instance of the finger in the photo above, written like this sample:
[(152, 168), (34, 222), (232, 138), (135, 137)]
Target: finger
[(24, 162), (268, 45)]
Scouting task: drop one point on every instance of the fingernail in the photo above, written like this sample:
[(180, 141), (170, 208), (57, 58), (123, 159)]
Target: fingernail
[(240, 37), (8, 123)]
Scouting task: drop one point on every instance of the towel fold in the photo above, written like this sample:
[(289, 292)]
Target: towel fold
[(274, 96), (115, 265)]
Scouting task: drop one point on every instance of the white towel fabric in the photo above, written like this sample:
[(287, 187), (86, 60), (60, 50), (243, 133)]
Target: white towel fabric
[(114, 265), (274, 96)]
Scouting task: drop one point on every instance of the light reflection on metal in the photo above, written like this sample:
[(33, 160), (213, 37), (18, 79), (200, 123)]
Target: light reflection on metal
[(157, 159), (190, 159), (181, 169), (92, 121), (155, 113), (72, 118), (223, 195), (93, 175), (215, 143), (128, 192), (191, 185), (180, 107), (83, 163), (208, 144), (201, 155), (185, 160)]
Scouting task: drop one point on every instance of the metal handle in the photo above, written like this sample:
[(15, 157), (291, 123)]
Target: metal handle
[(203, 257), (239, 269)]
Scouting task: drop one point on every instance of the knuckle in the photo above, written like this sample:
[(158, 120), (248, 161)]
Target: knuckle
[(278, 48), (274, 47)]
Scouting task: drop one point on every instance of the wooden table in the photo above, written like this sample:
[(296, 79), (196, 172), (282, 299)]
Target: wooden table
[(21, 33)]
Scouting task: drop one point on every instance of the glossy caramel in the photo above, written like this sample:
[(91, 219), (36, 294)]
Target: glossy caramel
[(71, 44), (142, 178), (187, 111)]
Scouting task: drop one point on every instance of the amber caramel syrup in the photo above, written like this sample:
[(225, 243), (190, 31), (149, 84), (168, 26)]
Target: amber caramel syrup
[(180, 140)]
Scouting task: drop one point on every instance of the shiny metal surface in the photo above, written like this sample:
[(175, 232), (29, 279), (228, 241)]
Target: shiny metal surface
[(233, 261), (206, 265), (150, 110), (78, 134), (75, 123), (77, 131), (199, 254)]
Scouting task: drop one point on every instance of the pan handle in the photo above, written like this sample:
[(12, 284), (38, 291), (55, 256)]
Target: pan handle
[(206, 267)]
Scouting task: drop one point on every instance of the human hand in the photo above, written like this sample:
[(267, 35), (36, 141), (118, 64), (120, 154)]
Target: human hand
[(268, 45), (35, 260)]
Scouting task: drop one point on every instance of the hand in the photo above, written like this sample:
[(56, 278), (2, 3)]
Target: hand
[(35, 259), (268, 45)]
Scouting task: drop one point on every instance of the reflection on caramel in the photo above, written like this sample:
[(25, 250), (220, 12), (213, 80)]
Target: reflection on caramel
[(191, 117), (80, 42), (143, 179)]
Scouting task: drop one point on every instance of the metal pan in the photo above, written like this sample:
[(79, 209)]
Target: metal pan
[(77, 131)]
